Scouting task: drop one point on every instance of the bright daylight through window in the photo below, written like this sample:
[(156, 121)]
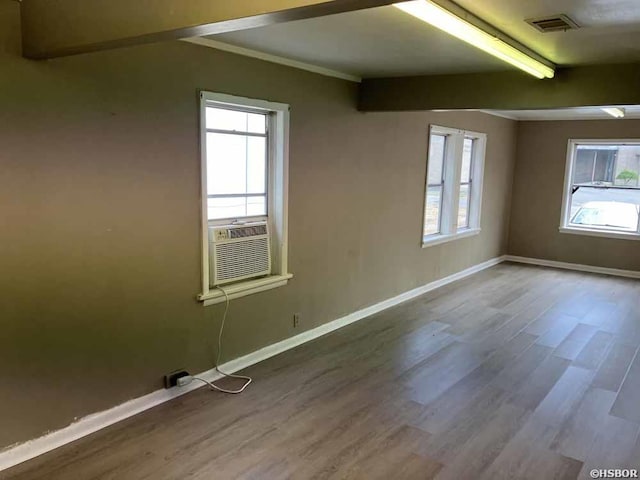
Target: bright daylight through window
[(237, 154), (454, 184), (602, 190)]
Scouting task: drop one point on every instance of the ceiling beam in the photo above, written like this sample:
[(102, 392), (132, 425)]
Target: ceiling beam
[(512, 90), (55, 28)]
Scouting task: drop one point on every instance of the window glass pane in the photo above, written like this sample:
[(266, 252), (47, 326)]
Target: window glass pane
[(583, 166), (432, 210), (463, 206), (465, 183), (236, 207), (256, 164), (627, 166), (595, 164), (235, 164), (436, 159), (256, 206), (605, 208), (225, 207), (467, 155), (433, 204), (224, 119), (226, 163), (256, 123)]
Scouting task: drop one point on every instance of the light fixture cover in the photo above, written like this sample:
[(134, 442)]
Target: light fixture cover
[(450, 23), (615, 112)]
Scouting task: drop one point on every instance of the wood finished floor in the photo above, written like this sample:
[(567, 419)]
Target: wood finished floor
[(516, 372)]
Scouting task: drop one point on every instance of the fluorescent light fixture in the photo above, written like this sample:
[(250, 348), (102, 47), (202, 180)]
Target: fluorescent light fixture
[(614, 111), (450, 23)]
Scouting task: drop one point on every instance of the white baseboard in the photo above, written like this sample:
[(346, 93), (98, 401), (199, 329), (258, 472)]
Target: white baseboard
[(92, 423), (573, 266)]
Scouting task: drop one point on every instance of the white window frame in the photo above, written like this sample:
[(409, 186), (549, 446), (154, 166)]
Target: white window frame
[(565, 220), (454, 147), (277, 196)]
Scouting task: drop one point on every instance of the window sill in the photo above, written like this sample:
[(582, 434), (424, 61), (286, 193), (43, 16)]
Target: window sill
[(242, 289), (432, 240), (600, 233)]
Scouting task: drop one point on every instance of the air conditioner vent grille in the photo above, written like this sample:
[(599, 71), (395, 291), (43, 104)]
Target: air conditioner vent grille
[(242, 259), (554, 23), (251, 231)]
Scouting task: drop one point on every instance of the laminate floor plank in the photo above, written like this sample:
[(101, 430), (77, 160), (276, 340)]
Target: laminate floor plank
[(627, 404), (527, 456), (593, 353), (561, 326), (475, 455), (600, 312), (540, 382), (441, 371), (552, 321), (578, 433), (573, 344), (470, 420), (516, 375), (615, 446), (449, 404), (615, 366), (564, 397)]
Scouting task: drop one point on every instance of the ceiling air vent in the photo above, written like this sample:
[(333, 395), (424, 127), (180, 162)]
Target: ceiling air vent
[(553, 23)]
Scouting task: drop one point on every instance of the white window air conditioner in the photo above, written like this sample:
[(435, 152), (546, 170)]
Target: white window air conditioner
[(238, 252)]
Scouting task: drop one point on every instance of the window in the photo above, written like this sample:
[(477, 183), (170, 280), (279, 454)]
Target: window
[(454, 184), (602, 191), (244, 148)]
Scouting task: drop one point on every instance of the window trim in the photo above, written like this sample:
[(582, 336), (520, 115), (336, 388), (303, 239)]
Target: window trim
[(452, 168), (277, 196), (565, 212)]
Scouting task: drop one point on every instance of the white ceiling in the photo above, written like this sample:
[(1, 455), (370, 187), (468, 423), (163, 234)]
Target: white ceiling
[(385, 41), (579, 113), (374, 42)]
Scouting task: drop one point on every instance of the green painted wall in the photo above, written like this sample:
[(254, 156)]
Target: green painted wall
[(99, 219)]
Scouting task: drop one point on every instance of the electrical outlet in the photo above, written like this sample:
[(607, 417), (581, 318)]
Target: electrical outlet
[(296, 320), (171, 380)]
